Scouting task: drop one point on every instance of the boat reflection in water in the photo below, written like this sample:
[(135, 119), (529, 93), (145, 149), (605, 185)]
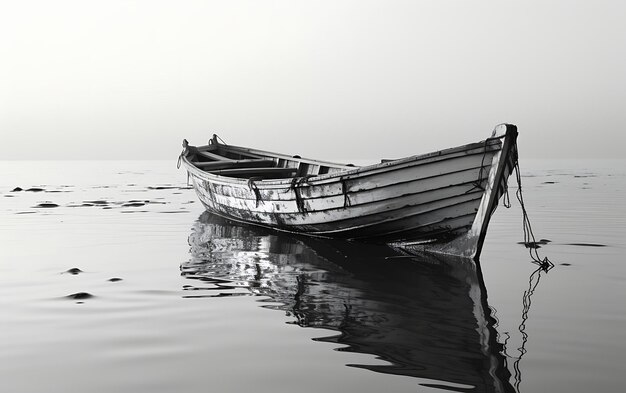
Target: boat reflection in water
[(427, 318)]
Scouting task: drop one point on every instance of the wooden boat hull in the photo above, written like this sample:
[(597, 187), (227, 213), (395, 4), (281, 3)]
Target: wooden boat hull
[(439, 202)]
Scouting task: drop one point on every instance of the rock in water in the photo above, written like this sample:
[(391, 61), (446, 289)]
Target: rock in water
[(74, 271), (80, 296), (47, 205)]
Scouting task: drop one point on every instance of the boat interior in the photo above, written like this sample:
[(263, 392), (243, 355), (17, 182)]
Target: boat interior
[(232, 161)]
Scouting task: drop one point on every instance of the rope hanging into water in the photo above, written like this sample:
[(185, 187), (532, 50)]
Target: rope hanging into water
[(182, 153), (529, 237)]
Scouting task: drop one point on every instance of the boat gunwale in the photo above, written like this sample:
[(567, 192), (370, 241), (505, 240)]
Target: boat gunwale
[(491, 144)]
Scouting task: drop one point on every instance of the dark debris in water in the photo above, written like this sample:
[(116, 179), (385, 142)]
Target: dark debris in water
[(168, 187), (565, 264), (586, 244), (47, 205), (35, 189), (74, 271), (537, 244), (84, 204), (549, 182), (98, 202), (133, 204), (114, 279), (543, 242), (17, 189), (104, 204), (138, 203), (80, 296)]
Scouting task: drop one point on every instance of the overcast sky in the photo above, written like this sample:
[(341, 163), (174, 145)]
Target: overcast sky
[(324, 79)]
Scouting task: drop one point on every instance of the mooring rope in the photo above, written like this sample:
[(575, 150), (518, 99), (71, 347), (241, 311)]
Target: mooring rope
[(182, 153), (223, 142), (529, 237)]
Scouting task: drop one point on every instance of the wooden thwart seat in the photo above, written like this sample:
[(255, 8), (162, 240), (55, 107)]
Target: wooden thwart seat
[(213, 152), (213, 156), (270, 173), (263, 167), (211, 166)]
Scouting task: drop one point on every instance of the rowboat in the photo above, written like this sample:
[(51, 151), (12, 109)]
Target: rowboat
[(440, 202)]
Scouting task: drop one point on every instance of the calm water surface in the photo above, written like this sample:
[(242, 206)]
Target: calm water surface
[(113, 279)]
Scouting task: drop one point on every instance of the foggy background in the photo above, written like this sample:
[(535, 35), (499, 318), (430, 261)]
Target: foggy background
[(324, 79)]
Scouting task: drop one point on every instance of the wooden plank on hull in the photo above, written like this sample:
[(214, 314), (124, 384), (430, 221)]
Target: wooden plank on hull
[(433, 231), (325, 223), (416, 161), (290, 212), (311, 192), (329, 210), (423, 172), (390, 221)]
